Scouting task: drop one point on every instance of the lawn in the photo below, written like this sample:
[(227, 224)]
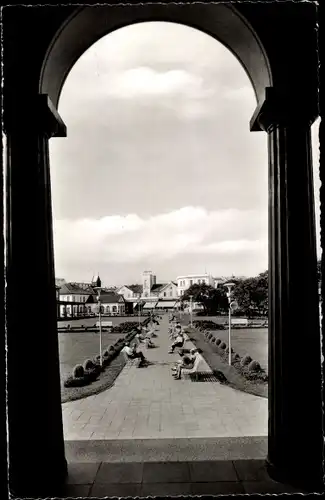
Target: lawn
[(252, 341), (76, 347)]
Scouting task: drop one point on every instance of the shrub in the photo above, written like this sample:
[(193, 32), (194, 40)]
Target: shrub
[(78, 371), (254, 366), (88, 364), (76, 381), (245, 360), (92, 373), (218, 341), (207, 324), (223, 345), (220, 376)]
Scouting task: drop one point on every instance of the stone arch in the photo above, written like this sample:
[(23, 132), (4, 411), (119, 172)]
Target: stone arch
[(88, 24)]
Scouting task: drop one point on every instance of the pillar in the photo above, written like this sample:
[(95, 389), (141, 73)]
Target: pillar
[(295, 442), (37, 462)]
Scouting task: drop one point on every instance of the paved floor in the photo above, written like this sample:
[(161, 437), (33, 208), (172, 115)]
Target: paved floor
[(171, 478), (147, 403)]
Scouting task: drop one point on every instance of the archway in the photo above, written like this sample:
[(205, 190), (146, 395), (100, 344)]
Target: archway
[(285, 111), (176, 100), (221, 21)]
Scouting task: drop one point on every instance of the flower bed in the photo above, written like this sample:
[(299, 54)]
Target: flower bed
[(207, 325), (246, 366), (87, 373)]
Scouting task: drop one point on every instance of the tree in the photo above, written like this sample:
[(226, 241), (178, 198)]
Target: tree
[(212, 299), (252, 294)]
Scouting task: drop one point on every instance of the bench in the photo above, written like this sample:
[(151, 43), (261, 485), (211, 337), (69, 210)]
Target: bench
[(199, 361), (238, 322), (105, 324)]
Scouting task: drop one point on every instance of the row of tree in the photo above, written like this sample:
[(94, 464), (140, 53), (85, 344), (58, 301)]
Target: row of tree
[(251, 295)]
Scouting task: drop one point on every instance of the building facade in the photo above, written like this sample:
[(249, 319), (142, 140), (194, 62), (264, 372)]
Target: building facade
[(76, 299), (184, 282), (111, 303)]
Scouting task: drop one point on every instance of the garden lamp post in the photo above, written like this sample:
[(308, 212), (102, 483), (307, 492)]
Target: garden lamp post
[(139, 310), (231, 306), (191, 310), (100, 324)]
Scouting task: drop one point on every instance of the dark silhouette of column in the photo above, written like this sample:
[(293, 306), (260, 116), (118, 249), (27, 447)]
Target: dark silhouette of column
[(295, 443), (36, 445)]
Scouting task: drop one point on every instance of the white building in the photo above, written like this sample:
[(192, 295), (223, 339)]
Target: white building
[(77, 299), (184, 282)]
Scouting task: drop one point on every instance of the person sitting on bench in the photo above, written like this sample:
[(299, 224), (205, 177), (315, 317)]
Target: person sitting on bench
[(178, 342), (187, 362), (132, 353), (140, 337)]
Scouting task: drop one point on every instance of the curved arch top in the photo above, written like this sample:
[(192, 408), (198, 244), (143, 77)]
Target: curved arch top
[(88, 24)]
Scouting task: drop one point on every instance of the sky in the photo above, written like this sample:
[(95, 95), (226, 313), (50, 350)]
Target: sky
[(159, 170)]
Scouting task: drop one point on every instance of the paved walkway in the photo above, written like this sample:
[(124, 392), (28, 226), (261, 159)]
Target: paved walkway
[(148, 403)]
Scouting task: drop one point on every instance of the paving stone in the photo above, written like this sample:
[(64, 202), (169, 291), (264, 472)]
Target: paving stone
[(264, 487), (120, 473), (165, 472), (211, 471), (82, 473), (115, 490), (76, 491), (163, 489), (219, 488), (251, 470)]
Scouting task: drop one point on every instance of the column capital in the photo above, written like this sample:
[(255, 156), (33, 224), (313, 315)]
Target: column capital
[(281, 107), (49, 118), (36, 112)]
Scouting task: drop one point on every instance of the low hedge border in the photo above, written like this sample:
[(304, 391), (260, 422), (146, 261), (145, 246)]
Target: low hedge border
[(207, 325), (83, 375), (246, 366), (216, 361)]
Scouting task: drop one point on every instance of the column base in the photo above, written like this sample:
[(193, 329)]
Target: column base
[(48, 480), (303, 480)]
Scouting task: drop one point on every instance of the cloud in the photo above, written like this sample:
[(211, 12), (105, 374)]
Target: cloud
[(145, 81), (187, 231), (158, 119)]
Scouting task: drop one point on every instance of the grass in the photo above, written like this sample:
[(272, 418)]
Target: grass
[(216, 362), (105, 380), (252, 341), (76, 347)]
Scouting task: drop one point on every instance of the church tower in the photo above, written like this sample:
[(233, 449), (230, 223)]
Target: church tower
[(96, 281), (148, 279)]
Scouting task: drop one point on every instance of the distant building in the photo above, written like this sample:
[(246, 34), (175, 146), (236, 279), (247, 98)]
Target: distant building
[(184, 282), (150, 294), (96, 281), (76, 299), (111, 304)]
